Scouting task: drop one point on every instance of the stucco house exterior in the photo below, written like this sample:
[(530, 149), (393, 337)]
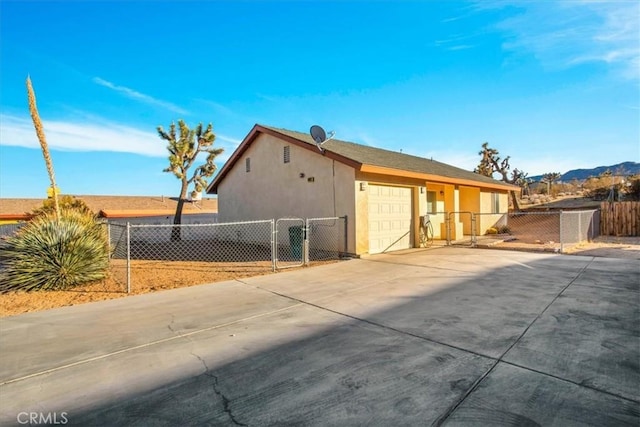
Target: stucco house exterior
[(276, 173)]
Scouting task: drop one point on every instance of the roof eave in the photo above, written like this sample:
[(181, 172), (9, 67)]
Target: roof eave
[(436, 178)]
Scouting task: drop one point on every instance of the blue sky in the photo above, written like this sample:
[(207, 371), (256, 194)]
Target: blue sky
[(553, 84)]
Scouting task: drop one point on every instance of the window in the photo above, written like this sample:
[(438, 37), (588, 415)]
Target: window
[(495, 203), (247, 163), (432, 205), (287, 154)]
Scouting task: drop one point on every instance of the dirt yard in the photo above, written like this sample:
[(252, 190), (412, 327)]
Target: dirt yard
[(603, 246), (146, 276), (609, 247)]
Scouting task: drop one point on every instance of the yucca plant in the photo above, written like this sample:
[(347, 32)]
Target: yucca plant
[(52, 253)]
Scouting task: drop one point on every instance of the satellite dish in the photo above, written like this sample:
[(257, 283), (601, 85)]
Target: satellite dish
[(320, 136)]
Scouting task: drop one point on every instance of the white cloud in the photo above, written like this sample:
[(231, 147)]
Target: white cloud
[(566, 33), (233, 142), (19, 131), (133, 94), (456, 42), (94, 135)]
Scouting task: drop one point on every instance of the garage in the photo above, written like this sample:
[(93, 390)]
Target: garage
[(389, 218)]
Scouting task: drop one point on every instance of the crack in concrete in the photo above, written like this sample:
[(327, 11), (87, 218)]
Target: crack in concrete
[(173, 320), (226, 403)]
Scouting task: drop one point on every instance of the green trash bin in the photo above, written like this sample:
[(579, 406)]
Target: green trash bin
[(295, 241)]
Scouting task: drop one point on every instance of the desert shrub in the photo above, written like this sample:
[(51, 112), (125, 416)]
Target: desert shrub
[(498, 229), (50, 254), (633, 190), (504, 229)]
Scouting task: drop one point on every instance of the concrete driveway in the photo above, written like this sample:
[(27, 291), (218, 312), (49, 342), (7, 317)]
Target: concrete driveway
[(448, 336)]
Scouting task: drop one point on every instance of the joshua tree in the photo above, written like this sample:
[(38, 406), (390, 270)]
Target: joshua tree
[(491, 163), (550, 178), (33, 109), (183, 151)]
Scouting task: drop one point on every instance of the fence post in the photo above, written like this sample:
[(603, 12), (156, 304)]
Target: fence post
[(274, 249), (305, 243), (474, 239), (346, 234), (109, 236), (128, 257), (561, 233)]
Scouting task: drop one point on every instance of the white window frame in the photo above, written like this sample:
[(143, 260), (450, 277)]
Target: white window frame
[(495, 203)]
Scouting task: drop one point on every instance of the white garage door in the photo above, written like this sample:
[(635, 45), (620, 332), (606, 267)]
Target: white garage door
[(389, 218)]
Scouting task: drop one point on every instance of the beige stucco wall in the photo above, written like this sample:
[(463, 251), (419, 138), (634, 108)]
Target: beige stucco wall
[(487, 219), (274, 189), (469, 204)]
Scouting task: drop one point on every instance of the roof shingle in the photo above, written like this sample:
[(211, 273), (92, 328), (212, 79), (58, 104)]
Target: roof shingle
[(390, 159)]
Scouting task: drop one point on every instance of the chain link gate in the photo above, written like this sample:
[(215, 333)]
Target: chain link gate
[(290, 242), (468, 237)]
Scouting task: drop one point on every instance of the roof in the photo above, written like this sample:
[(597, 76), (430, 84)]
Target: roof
[(367, 159), (114, 206)]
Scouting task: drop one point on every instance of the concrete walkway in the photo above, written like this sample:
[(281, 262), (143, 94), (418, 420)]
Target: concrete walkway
[(448, 336)]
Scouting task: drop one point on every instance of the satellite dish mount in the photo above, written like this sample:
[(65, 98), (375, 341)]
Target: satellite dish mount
[(320, 136)]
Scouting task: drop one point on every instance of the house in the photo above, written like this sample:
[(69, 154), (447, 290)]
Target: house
[(277, 173)]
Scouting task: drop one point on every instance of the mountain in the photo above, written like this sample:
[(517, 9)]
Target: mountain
[(624, 168)]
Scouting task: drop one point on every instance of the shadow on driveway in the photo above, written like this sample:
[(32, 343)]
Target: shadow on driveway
[(428, 337)]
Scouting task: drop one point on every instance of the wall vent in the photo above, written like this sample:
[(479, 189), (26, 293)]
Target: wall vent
[(287, 154)]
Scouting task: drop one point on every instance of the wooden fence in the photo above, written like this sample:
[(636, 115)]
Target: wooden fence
[(620, 219)]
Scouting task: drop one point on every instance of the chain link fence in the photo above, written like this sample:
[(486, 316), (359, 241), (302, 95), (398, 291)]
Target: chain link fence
[(551, 231), (159, 255), (578, 226), (10, 229), (327, 238), (118, 245)]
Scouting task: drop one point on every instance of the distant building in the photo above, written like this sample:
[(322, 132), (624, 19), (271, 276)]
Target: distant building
[(134, 209)]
